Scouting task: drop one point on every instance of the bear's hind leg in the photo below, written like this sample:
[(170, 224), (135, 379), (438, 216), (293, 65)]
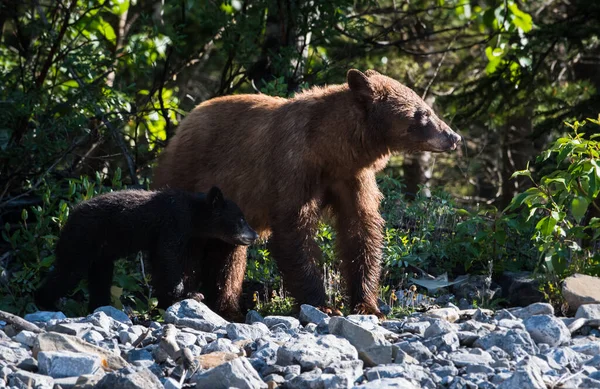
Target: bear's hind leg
[(57, 284), (99, 282), (297, 255), (68, 270)]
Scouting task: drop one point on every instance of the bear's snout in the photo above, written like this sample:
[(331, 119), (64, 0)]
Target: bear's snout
[(454, 138)]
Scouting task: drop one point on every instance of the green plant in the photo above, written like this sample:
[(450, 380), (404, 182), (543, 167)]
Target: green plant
[(558, 202)]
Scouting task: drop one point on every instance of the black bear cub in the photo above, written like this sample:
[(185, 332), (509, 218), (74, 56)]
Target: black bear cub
[(168, 224)]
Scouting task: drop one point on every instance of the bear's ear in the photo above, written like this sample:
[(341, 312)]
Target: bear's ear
[(215, 197), (372, 72), (359, 83)]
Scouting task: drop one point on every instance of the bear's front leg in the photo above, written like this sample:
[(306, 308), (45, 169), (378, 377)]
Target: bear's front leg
[(296, 253), (359, 240)]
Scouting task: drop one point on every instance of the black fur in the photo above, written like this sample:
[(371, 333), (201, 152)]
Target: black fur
[(117, 224)]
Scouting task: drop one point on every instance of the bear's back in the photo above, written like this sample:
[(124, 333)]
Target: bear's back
[(121, 222)]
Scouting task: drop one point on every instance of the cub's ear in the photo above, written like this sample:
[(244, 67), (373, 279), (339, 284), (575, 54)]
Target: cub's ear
[(359, 83), (372, 72), (215, 197)]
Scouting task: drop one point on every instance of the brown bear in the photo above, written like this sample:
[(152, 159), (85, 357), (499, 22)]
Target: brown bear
[(285, 160), (117, 224)]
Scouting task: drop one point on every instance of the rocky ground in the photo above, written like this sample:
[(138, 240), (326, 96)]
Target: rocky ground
[(526, 347)]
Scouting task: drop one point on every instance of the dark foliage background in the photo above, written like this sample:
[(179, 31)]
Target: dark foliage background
[(91, 91)]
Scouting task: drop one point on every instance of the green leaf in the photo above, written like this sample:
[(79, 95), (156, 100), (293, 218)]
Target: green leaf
[(579, 206), (106, 29), (521, 19), (546, 225)]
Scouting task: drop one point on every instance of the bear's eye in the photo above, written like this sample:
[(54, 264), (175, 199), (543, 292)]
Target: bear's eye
[(422, 116)]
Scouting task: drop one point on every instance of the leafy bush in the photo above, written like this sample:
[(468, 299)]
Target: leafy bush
[(561, 202)]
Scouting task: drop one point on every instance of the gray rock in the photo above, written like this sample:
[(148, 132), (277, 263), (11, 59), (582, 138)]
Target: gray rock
[(254, 317), (439, 327), (445, 371), (372, 347), (93, 337), (307, 380), (115, 314), (416, 350), (12, 352), (388, 383), (350, 369), (310, 352), (59, 364), (25, 380), (139, 355), (276, 378), (170, 383), (75, 329), (564, 357), (592, 348), (44, 316), (467, 338), (127, 337), (447, 342), (291, 323), (185, 339), (222, 344), (479, 369), (528, 376), (511, 324), (280, 370), (26, 338), (581, 289), (28, 364), (468, 357), (130, 378), (237, 373), (547, 329), (266, 352), (533, 309), (255, 331), (194, 314), (588, 311), (410, 372), (516, 343), (416, 328), (310, 314)]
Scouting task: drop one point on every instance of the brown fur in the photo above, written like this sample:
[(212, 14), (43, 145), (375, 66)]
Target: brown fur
[(285, 160)]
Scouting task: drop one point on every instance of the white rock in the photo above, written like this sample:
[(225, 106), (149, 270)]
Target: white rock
[(547, 329), (588, 311), (59, 364), (372, 347), (194, 314), (310, 352), (237, 373), (310, 314), (533, 309), (291, 323)]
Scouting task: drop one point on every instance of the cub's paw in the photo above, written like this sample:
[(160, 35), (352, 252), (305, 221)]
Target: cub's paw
[(330, 311), (367, 309), (196, 296)]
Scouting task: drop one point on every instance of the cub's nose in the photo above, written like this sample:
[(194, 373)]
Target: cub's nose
[(249, 236)]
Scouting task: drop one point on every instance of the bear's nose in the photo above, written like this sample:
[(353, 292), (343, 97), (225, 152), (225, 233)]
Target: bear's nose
[(454, 137)]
